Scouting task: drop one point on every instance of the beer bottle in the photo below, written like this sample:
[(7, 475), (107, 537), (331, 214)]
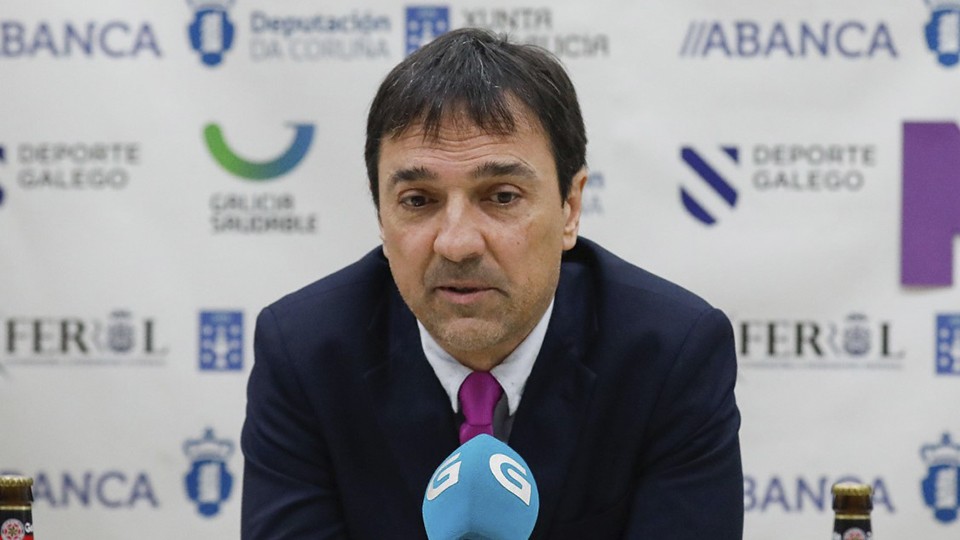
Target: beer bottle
[(852, 504), (16, 514)]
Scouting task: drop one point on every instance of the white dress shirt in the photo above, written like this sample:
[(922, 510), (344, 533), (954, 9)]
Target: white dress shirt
[(512, 373)]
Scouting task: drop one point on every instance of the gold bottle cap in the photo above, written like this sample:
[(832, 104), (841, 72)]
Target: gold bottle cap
[(16, 490), (851, 498), (15, 481), (852, 489)]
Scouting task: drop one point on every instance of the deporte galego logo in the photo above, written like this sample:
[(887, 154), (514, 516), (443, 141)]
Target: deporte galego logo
[(717, 175)]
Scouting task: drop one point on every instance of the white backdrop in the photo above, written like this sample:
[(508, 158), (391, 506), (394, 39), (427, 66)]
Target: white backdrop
[(130, 276)]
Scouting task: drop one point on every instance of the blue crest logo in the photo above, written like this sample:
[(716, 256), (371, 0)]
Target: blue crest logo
[(948, 344), (120, 332), (712, 178), (211, 32), (942, 31), (208, 483), (856, 335), (424, 24), (221, 340), (941, 490)]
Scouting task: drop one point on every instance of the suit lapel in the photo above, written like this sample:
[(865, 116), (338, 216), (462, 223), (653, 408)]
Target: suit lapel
[(550, 417), (412, 407)]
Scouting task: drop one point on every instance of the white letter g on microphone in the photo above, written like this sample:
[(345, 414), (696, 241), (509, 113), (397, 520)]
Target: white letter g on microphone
[(448, 474), (520, 486)]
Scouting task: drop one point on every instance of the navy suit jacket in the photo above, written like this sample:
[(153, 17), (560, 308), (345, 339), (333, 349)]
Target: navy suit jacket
[(628, 420)]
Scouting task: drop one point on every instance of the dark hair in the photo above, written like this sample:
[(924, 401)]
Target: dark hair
[(477, 73)]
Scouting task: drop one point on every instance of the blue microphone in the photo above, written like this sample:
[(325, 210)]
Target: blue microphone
[(485, 490)]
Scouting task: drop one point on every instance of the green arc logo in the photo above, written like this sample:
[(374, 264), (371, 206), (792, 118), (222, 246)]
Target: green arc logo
[(258, 170)]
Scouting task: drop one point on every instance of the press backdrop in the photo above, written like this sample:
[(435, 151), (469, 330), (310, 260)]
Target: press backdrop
[(167, 168)]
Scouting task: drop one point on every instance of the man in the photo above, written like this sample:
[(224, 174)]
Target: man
[(614, 385)]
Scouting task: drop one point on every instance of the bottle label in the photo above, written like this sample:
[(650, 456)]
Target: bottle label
[(14, 529), (856, 534), (852, 530)]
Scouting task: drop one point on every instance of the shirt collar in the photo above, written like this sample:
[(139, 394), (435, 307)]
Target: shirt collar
[(512, 373)]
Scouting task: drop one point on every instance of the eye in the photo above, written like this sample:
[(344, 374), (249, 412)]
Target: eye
[(414, 201), (505, 197)]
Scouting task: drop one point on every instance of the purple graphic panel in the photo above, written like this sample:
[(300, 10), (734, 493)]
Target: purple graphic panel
[(931, 202)]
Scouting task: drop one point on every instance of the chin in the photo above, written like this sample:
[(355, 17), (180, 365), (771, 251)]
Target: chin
[(469, 335)]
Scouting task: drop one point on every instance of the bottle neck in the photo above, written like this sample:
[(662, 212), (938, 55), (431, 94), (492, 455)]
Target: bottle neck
[(852, 529), (853, 517)]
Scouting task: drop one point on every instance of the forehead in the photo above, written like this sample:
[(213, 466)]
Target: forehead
[(459, 135)]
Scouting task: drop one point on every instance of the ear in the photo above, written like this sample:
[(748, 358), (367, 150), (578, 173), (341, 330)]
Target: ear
[(572, 207), (382, 243)]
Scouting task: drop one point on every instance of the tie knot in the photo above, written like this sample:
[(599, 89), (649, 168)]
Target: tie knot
[(479, 394)]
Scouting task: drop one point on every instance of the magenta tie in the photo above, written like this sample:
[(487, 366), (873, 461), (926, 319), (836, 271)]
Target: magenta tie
[(479, 394)]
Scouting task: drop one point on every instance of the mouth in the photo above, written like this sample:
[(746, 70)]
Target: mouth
[(463, 290), (464, 294)]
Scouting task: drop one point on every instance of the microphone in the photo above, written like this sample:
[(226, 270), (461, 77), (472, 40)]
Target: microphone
[(485, 490)]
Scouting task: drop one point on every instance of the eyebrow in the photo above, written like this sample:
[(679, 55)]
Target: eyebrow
[(489, 169), (412, 174), (493, 169)]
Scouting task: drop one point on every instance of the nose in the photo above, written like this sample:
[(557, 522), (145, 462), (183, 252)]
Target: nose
[(460, 235)]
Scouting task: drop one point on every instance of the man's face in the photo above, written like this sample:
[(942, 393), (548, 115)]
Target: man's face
[(474, 228)]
